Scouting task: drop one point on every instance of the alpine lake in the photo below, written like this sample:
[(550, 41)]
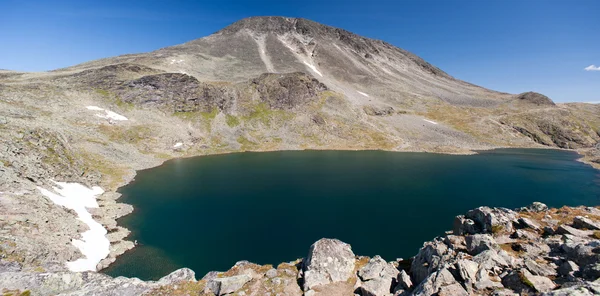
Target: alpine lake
[(206, 213)]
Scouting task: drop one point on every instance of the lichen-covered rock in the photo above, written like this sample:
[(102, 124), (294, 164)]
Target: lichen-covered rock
[(478, 243), (490, 220), (583, 289), (328, 261), (227, 285), (538, 283)]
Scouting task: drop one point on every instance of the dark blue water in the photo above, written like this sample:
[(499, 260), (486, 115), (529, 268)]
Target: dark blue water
[(209, 212)]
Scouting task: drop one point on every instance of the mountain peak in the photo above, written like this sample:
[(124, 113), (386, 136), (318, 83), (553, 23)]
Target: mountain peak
[(279, 25)]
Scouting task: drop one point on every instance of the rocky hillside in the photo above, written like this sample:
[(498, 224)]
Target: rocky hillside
[(261, 84), (490, 251)]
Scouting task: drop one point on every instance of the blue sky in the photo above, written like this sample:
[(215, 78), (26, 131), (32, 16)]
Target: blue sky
[(508, 45)]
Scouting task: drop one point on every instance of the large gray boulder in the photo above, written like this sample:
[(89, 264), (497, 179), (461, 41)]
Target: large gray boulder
[(583, 289), (227, 285), (377, 277), (328, 261), (478, 243), (539, 283), (585, 223), (439, 281), (428, 259), (491, 220)]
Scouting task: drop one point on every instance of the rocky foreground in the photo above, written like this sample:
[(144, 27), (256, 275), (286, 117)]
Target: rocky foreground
[(490, 251)]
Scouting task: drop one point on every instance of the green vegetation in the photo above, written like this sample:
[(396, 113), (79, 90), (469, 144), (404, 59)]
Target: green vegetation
[(246, 144), (102, 92), (210, 115), (115, 99), (264, 114), (232, 121), (133, 134), (112, 174), (525, 281)]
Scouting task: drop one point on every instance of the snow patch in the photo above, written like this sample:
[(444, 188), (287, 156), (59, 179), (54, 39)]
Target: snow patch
[(432, 122), (94, 244), (94, 108), (107, 113), (312, 67), (174, 61), (362, 93), (177, 145)]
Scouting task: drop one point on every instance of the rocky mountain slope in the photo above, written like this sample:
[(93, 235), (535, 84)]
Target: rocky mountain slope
[(265, 83)]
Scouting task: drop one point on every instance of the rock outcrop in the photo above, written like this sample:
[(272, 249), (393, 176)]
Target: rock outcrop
[(329, 261), (535, 98)]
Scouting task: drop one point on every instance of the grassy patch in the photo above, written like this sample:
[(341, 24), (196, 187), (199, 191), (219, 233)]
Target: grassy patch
[(112, 174), (232, 121), (596, 234), (102, 92), (246, 144), (181, 288), (210, 115), (133, 134), (265, 115)]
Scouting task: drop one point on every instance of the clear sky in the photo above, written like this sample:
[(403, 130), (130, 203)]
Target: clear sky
[(505, 45)]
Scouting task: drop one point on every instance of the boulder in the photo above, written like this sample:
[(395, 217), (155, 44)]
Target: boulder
[(404, 281), (434, 282), (492, 220), (377, 277), (489, 259), (452, 290), (464, 226), (484, 282), (376, 268), (583, 289), (582, 253), (514, 281), (539, 269), (328, 261), (524, 234), (591, 271), (467, 270), (548, 230), (568, 268), (528, 223), (271, 273), (180, 275), (566, 229), (456, 242), (504, 292), (227, 285), (478, 243), (538, 283), (585, 223), (429, 259), (537, 207)]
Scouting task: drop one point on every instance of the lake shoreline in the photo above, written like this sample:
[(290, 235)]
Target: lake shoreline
[(260, 151)]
